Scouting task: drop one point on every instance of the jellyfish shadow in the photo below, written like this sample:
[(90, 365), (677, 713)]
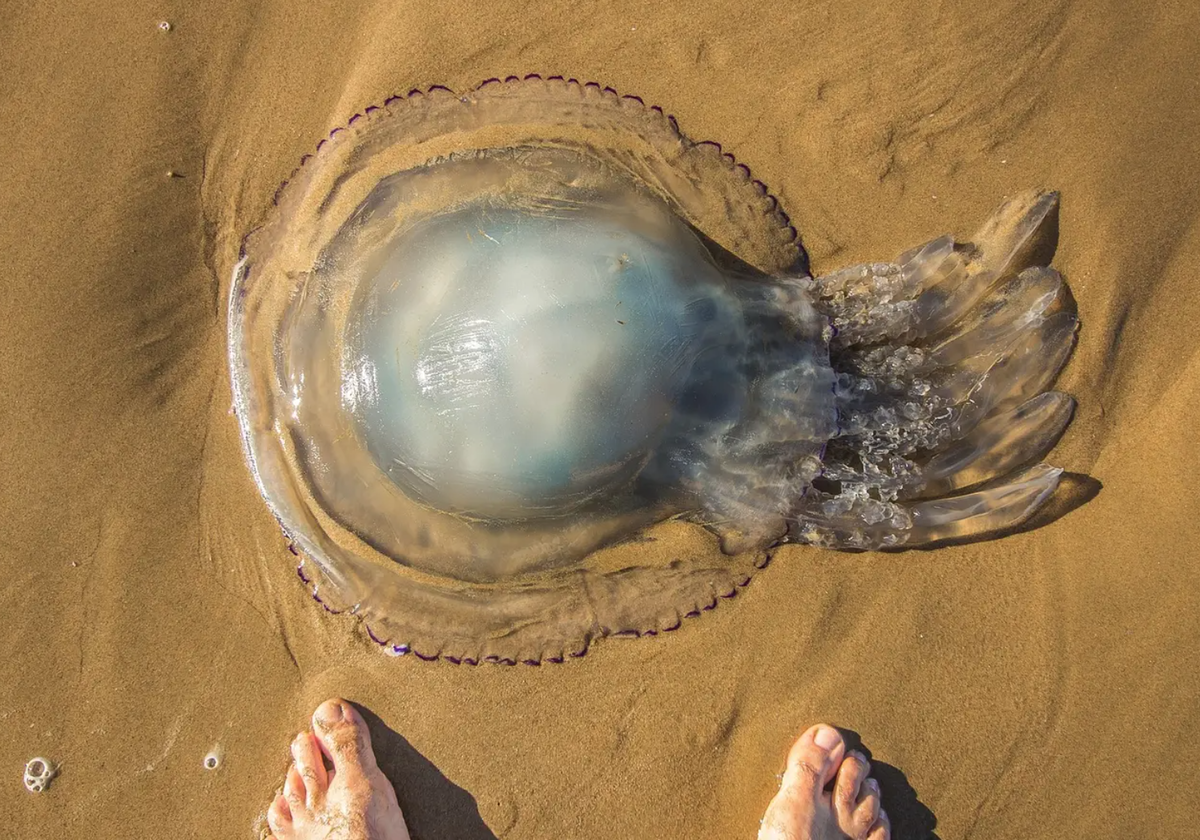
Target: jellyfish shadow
[(433, 805), (1074, 491), (911, 819)]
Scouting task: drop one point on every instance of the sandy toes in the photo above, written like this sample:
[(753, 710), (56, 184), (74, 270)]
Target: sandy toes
[(804, 810), (351, 801)]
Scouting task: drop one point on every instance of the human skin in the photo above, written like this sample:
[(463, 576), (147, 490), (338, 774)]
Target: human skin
[(826, 792)]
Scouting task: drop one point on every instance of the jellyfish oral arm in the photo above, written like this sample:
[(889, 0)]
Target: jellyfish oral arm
[(943, 359)]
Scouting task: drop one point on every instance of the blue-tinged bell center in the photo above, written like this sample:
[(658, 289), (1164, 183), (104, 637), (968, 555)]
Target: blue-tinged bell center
[(509, 361)]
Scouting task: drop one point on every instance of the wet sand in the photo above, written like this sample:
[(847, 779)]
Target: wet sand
[(1043, 685)]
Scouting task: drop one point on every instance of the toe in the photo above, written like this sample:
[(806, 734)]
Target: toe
[(813, 760), (847, 790), (867, 810), (343, 737), (311, 767), (279, 818), (295, 794), (882, 829)]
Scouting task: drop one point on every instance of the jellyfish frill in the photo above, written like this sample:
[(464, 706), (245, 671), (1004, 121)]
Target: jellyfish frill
[(525, 367)]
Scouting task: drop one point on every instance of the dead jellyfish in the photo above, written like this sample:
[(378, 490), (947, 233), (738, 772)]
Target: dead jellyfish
[(488, 349)]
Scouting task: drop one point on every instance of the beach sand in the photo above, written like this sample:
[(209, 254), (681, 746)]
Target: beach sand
[(1042, 685)]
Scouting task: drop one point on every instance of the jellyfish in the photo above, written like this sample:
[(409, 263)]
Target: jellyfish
[(523, 367)]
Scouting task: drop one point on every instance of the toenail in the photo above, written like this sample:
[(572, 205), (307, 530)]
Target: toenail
[(329, 713), (826, 738)]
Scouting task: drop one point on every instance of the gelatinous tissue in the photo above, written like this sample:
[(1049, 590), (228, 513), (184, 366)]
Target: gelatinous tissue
[(489, 349)]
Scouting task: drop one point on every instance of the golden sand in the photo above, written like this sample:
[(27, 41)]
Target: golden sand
[(1043, 685)]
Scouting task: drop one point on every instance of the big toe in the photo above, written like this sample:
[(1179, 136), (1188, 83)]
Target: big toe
[(343, 736), (813, 760)]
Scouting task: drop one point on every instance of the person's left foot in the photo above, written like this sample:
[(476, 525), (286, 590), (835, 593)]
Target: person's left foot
[(351, 801)]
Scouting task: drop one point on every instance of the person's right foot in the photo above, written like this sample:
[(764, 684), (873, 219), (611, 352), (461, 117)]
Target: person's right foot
[(804, 810)]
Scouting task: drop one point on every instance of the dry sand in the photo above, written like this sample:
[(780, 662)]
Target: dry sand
[(1043, 685)]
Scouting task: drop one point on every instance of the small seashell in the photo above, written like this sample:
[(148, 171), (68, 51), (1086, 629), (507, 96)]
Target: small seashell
[(38, 773)]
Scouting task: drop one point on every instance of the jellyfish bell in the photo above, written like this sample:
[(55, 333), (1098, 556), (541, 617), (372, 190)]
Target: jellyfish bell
[(500, 342), (488, 346)]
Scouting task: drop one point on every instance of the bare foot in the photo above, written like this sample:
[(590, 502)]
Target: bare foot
[(804, 810), (352, 801)]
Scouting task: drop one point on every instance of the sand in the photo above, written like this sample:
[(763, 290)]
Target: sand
[(1043, 685)]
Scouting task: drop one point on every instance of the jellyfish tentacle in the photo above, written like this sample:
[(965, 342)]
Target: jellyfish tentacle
[(941, 361), (907, 392), (1004, 505), (996, 446), (875, 301), (1002, 247), (862, 522), (1001, 318), (1027, 368), (928, 289), (851, 521)]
